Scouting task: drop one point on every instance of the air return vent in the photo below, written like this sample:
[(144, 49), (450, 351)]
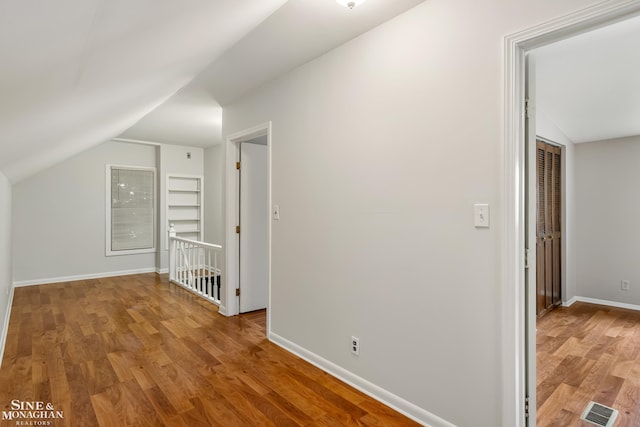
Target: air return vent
[(599, 415)]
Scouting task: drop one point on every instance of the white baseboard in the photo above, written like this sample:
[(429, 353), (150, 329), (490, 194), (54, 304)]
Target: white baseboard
[(222, 309), (608, 303), (162, 270), (83, 277), (570, 302), (403, 406), (5, 326)]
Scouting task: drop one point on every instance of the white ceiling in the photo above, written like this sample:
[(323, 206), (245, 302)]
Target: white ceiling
[(76, 73), (589, 85), (298, 32)]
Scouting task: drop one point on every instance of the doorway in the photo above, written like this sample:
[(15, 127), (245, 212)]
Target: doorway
[(248, 225), (519, 313)]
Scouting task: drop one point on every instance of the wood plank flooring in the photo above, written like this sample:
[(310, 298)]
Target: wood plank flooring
[(588, 352), (138, 351)]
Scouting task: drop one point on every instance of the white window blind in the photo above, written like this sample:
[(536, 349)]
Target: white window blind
[(132, 210)]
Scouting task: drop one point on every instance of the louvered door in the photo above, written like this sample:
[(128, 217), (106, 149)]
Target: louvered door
[(549, 227)]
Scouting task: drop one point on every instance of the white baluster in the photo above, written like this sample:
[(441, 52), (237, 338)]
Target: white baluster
[(181, 262), (210, 290), (191, 266), (172, 252), (215, 274)]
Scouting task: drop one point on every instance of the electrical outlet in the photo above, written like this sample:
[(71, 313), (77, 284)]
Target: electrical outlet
[(625, 285), (355, 346)]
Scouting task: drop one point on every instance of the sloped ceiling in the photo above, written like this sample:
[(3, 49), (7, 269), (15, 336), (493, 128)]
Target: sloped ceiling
[(298, 32), (76, 73), (589, 85)]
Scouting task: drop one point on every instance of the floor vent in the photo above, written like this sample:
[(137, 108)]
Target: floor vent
[(599, 415)]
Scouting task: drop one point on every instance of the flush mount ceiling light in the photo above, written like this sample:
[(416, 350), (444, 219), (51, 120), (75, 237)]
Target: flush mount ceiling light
[(350, 3)]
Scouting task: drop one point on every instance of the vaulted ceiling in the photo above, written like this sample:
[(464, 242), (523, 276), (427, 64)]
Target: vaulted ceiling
[(75, 73)]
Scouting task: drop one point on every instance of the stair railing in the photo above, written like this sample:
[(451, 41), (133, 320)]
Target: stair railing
[(194, 266)]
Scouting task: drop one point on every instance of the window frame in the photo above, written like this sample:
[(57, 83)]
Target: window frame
[(108, 222)]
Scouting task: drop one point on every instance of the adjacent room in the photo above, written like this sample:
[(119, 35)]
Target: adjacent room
[(588, 291)]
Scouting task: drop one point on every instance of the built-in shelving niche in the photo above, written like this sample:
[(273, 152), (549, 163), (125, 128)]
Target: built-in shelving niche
[(185, 208)]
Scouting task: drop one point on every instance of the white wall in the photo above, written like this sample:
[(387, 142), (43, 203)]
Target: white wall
[(59, 217), (548, 130), (608, 208), (174, 160), (213, 200), (380, 149), (5, 253)]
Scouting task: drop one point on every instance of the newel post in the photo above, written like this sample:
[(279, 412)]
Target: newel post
[(172, 253)]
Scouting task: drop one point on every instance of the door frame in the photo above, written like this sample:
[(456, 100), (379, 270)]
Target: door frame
[(230, 305), (516, 322)]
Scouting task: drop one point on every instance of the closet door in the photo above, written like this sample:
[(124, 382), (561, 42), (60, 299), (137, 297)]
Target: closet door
[(549, 227)]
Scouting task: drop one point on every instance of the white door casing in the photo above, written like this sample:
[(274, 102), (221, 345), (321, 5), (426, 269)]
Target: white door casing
[(530, 215), (230, 281), (515, 319)]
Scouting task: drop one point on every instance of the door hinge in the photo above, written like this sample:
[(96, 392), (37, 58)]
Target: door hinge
[(238, 165), (237, 292), (526, 257), (237, 229), (526, 108), (526, 407)]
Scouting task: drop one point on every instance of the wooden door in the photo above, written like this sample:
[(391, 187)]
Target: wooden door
[(549, 227)]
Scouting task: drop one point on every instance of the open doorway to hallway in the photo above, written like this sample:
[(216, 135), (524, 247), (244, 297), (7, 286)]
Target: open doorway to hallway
[(587, 350)]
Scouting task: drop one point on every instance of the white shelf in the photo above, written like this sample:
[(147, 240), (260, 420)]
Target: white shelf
[(184, 205)]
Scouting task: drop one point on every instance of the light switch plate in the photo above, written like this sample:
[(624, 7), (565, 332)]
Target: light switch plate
[(481, 215)]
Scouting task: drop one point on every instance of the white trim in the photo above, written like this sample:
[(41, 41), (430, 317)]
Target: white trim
[(162, 270), (513, 307), (605, 302), (550, 142), (570, 302), (5, 328), (230, 282), (62, 279), (393, 401), (137, 141), (222, 309), (513, 302)]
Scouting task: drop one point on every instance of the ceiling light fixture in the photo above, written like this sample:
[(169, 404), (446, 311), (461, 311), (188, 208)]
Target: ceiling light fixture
[(349, 3)]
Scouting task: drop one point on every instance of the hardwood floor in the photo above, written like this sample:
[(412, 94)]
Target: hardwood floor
[(138, 351), (588, 352)]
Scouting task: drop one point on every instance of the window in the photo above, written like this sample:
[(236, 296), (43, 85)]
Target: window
[(130, 210)]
